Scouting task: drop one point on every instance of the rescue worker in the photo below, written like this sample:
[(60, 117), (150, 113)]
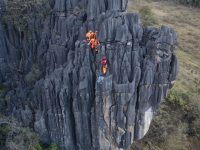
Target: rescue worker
[(94, 44), (91, 35), (92, 39), (104, 64)]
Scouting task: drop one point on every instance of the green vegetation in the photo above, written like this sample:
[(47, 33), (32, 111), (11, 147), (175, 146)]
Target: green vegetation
[(194, 3), (33, 75), (179, 99), (13, 136), (20, 12), (4, 130), (176, 125), (52, 147), (3, 91), (23, 139), (39, 147), (49, 147), (147, 16)]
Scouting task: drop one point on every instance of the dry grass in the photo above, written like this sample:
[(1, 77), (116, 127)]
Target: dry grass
[(186, 21)]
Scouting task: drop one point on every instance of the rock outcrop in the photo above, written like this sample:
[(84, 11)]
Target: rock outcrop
[(52, 74)]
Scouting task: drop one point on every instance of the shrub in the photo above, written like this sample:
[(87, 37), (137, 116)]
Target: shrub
[(4, 129), (20, 12), (3, 90), (53, 147), (22, 138), (39, 147), (13, 136), (193, 3), (178, 99), (147, 16)]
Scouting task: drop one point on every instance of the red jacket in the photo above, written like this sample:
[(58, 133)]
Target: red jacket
[(104, 61)]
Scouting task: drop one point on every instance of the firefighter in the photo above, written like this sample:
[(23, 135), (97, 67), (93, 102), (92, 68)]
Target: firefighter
[(92, 40), (94, 44), (91, 35), (104, 67)]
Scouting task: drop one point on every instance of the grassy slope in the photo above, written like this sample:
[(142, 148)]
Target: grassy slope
[(186, 21)]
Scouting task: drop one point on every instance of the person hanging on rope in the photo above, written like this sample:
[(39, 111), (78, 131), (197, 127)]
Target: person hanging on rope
[(104, 67)]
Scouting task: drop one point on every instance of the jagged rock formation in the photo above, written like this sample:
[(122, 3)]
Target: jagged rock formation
[(52, 74)]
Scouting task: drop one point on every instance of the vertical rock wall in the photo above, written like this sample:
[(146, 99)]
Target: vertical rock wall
[(64, 103)]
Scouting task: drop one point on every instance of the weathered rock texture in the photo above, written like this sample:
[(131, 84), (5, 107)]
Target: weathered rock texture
[(52, 74)]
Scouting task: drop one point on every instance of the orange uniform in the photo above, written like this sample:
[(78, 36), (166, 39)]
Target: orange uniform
[(91, 35), (92, 39), (94, 43), (104, 69)]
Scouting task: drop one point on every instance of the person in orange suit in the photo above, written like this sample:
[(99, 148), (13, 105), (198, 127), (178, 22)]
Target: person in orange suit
[(94, 43), (91, 35), (92, 39)]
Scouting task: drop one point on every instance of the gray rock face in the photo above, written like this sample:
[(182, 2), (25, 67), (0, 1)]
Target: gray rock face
[(61, 98)]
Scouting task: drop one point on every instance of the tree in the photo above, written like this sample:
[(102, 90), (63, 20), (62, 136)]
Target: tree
[(20, 12)]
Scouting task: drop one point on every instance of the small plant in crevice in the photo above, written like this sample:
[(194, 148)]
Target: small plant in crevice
[(39, 147), (52, 147), (3, 90)]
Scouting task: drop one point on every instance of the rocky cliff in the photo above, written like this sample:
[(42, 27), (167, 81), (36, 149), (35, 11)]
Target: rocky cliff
[(51, 74)]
